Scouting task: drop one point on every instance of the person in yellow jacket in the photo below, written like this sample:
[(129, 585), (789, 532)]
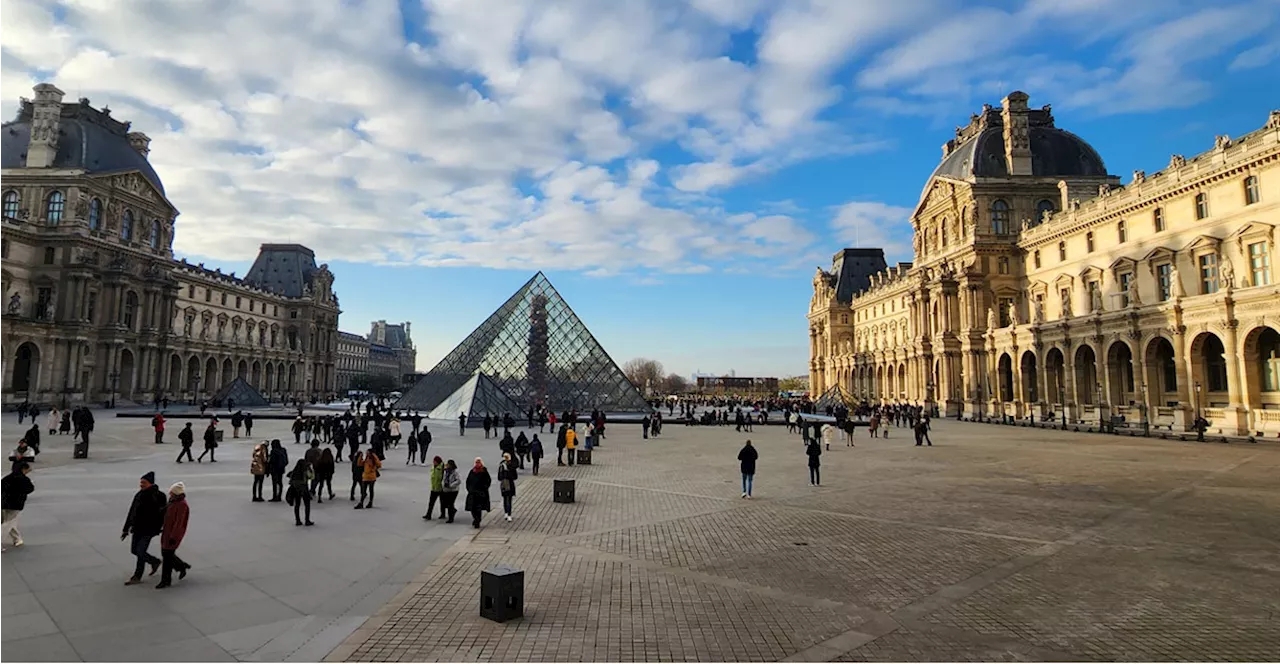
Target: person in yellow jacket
[(372, 464), (571, 443)]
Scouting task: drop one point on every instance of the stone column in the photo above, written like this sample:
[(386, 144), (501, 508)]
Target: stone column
[(1235, 389)]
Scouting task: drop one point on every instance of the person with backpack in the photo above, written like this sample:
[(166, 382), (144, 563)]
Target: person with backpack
[(258, 469), (747, 457), (368, 477), (187, 438), (277, 465), (14, 490), (237, 420), (299, 495), (157, 424)]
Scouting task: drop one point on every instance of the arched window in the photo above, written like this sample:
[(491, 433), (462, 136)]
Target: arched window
[(154, 240), (1000, 218), (12, 201), (95, 215), (1251, 194), (126, 226), (1043, 207), (1202, 206), (57, 202)]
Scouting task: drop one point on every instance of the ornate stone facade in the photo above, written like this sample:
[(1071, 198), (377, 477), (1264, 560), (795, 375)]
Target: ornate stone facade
[(1041, 286), (95, 304)]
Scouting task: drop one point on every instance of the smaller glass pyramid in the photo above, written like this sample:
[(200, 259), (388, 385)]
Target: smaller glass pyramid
[(533, 351), (834, 396), (241, 393)]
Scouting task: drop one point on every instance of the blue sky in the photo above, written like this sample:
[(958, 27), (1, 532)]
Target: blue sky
[(677, 168)]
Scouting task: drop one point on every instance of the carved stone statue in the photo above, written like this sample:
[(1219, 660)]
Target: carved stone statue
[(1095, 300), (1177, 161), (1273, 120), (1134, 299), (1139, 177), (1066, 306), (186, 325), (1037, 311), (48, 306), (1221, 142), (1013, 314), (1045, 215), (1227, 274), (1175, 283), (992, 320), (15, 304)]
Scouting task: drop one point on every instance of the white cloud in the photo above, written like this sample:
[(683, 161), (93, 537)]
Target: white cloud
[(874, 224)]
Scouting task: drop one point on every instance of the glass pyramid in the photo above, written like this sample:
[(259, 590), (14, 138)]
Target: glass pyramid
[(534, 351), (241, 393), (835, 396)]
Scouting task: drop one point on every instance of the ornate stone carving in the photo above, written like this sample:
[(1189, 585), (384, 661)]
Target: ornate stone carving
[(15, 304), (1134, 299), (1037, 311), (82, 206), (1095, 300), (992, 320), (1139, 177), (1221, 143), (1273, 120), (1177, 161), (1175, 283), (1013, 314), (1227, 274)]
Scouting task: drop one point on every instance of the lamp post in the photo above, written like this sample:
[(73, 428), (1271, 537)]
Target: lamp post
[(115, 381), (1199, 420), (1102, 424), (1142, 391), (928, 398)]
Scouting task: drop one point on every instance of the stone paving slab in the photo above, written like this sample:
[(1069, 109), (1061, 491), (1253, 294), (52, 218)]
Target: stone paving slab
[(997, 544)]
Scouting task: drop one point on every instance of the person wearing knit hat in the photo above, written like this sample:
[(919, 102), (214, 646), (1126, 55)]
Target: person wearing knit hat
[(144, 522), (175, 528)]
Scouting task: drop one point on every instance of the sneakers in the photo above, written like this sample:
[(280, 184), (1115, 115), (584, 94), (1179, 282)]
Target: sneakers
[(744, 494), (508, 518), (17, 543)]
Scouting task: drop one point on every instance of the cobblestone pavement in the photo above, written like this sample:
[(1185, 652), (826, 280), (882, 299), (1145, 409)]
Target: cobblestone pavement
[(996, 544)]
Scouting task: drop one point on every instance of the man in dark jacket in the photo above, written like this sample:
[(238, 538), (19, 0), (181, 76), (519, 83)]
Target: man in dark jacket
[(188, 438), (237, 419), (174, 529), (33, 437), (145, 521), (462, 424), (248, 425), (814, 450), (14, 490), (86, 428), (277, 465), (560, 443), (210, 443), (747, 456), (424, 441)]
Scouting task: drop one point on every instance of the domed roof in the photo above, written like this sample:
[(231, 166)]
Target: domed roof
[(87, 138), (978, 150)]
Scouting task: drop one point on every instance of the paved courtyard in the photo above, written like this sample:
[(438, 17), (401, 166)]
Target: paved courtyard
[(997, 544)]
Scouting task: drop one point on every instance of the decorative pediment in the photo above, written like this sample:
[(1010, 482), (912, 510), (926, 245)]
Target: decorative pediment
[(1203, 242), (1092, 273), (1159, 255), (1123, 264), (1063, 281), (1253, 231)]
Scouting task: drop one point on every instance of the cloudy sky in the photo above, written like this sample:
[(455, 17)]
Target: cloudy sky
[(677, 167)]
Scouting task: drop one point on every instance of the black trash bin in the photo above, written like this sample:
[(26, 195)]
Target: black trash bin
[(501, 593), (584, 456), (563, 491)]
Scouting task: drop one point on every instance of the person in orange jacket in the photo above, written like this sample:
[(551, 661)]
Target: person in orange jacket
[(372, 464)]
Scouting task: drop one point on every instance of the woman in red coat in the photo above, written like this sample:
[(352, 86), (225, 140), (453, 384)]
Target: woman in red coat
[(175, 528)]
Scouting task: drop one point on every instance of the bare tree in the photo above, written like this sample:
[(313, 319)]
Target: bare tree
[(674, 384), (643, 372)]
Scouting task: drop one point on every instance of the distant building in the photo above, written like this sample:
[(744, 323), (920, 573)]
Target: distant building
[(737, 385), (387, 351), (353, 359)]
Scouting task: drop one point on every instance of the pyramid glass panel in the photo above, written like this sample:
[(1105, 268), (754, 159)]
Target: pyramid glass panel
[(533, 351), (835, 396), (241, 393)]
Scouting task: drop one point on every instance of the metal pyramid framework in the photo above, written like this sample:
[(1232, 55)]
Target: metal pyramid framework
[(533, 351), (241, 393), (834, 396)]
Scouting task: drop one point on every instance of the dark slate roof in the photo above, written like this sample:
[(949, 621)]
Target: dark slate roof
[(282, 268), (88, 139), (853, 269), (396, 336), (1054, 152)]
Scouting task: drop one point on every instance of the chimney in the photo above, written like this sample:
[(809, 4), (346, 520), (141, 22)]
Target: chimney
[(1017, 135), (140, 142), (46, 112)]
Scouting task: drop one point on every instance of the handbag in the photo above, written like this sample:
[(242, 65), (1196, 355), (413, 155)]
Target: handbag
[(290, 496)]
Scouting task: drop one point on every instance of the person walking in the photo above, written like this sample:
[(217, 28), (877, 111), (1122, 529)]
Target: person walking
[(53, 421), (561, 437), (814, 450), (462, 424), (298, 426), (413, 449), (922, 432), (210, 444), (258, 468), (478, 481), (368, 477), (747, 459), (65, 427), (424, 442), (277, 465), (507, 483), (325, 468), (248, 425), (645, 424), (157, 423), (14, 489), (312, 455), (437, 489), (449, 490), (237, 420), (300, 491), (394, 429), (571, 443), (535, 452), (144, 522), (176, 516), (522, 450), (357, 472), (487, 423), (188, 438)]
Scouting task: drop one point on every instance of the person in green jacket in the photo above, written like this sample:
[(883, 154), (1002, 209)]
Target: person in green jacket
[(437, 488)]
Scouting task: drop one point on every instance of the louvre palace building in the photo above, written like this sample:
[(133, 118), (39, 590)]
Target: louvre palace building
[(95, 305), (1041, 286)]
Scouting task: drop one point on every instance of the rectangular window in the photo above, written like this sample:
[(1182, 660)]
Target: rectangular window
[(1259, 264), (1005, 304), (1202, 206), (1208, 274), (224, 299), (1036, 257), (1164, 281), (1062, 251), (1088, 242), (275, 310), (1122, 233), (1251, 193), (293, 313), (237, 301), (208, 295), (44, 296), (1157, 219), (1003, 265), (191, 292), (49, 255), (250, 306), (91, 306), (1126, 278)]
